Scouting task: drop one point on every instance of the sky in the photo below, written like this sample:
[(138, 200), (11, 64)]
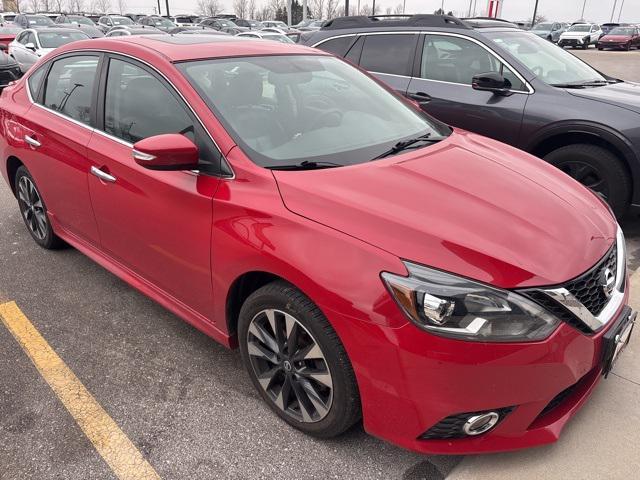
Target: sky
[(561, 10)]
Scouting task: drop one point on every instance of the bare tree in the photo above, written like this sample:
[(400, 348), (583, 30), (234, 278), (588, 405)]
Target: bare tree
[(317, 7), (252, 9), (34, 5), (365, 10), (58, 5), (331, 11), (264, 13), (209, 8), (240, 8), (399, 9), (122, 6)]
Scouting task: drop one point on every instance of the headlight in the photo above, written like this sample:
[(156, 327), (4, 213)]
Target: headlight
[(453, 306)]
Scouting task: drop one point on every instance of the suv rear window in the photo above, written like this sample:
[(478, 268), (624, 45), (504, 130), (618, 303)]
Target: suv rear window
[(389, 53), (337, 46)]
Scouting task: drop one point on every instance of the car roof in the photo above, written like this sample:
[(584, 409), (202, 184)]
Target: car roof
[(178, 48)]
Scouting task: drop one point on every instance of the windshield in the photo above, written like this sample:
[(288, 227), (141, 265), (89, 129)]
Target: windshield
[(163, 22), (277, 37), (121, 21), (226, 23), (543, 26), (81, 20), (39, 20), (621, 31), (579, 28), (57, 39), (9, 18), (551, 64), (285, 109)]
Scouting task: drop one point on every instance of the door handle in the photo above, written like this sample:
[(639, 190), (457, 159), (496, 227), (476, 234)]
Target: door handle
[(420, 97), (32, 141), (104, 176)]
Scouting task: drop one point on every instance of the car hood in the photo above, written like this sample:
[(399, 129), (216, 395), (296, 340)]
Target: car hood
[(623, 94), (542, 33), (570, 35), (468, 205), (93, 32), (616, 38)]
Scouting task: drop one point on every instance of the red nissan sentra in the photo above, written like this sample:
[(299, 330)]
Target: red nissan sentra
[(454, 293)]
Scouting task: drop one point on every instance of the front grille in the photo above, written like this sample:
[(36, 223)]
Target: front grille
[(557, 400), (588, 287), (558, 310), (451, 427)]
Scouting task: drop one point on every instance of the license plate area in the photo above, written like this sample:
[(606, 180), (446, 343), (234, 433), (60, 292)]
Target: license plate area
[(616, 339)]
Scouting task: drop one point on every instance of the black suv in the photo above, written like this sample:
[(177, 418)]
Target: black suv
[(494, 79)]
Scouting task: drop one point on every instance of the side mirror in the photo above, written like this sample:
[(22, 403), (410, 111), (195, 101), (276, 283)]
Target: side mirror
[(30, 46), (491, 82), (171, 151)]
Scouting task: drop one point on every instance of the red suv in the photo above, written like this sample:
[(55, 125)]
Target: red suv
[(455, 293)]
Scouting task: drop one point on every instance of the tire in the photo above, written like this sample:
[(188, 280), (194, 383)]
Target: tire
[(339, 405), (34, 211), (627, 47), (598, 169), (585, 46)]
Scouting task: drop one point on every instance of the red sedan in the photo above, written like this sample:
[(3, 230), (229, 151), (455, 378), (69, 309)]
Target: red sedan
[(625, 38), (455, 293)]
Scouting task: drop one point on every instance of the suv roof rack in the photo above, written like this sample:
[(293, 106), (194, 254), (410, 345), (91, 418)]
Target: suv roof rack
[(376, 21), (487, 22)]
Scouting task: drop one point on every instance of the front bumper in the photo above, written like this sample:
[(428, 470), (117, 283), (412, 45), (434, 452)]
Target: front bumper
[(410, 380), (612, 44), (571, 42)]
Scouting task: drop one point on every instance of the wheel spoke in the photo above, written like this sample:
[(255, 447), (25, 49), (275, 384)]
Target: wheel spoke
[(265, 337), (266, 378), (314, 397), (282, 400), (310, 352), (22, 194), (42, 224), (323, 377), (256, 349), (293, 332), (303, 402)]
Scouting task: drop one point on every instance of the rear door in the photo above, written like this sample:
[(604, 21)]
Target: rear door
[(442, 84)]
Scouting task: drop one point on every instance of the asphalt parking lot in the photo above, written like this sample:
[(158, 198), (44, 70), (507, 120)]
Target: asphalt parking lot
[(186, 405)]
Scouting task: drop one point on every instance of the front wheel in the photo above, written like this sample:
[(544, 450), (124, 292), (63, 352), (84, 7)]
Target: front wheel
[(297, 362), (34, 211), (598, 169)]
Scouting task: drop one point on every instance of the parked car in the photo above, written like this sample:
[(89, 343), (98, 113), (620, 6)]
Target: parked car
[(312, 26), (607, 27), (10, 71), (224, 25), (7, 17), (625, 38), (276, 37), (184, 20), (201, 29), (7, 34), (158, 22), (33, 21), (275, 24), (360, 253), (250, 24), (549, 30), (134, 16), (508, 84), (109, 21), (33, 43), (580, 35), (81, 22), (126, 30)]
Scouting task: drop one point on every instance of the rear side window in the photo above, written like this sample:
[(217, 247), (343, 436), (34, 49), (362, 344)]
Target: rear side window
[(389, 53), (68, 88), (337, 46), (35, 79)]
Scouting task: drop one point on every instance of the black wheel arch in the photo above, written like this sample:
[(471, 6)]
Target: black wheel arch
[(558, 135)]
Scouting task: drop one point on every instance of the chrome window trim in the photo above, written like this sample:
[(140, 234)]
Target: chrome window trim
[(105, 134), (530, 89), (571, 303)]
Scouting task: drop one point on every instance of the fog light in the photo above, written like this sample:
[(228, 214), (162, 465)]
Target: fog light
[(479, 424)]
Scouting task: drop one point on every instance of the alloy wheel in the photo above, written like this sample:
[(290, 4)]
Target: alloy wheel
[(32, 208), (586, 175), (290, 365)]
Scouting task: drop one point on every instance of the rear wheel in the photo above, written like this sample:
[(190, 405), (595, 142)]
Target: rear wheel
[(627, 47), (296, 361), (34, 211), (598, 169)]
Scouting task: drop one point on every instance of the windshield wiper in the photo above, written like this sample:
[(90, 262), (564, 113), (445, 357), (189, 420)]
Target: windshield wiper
[(305, 165), (587, 83), (406, 144)]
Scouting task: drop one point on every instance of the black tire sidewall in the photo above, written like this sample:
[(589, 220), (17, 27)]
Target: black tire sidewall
[(609, 167), (278, 295), (50, 240)]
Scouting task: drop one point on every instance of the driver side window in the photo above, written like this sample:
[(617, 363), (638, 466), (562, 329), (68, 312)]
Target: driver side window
[(458, 60)]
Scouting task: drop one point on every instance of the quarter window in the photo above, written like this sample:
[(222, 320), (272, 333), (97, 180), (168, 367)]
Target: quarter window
[(388, 53), (69, 86), (337, 46), (34, 82), (138, 105), (458, 60)]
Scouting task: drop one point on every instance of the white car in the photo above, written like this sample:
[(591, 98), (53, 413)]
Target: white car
[(276, 24), (580, 35), (31, 44), (278, 37)]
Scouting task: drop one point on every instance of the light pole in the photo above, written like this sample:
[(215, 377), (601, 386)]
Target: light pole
[(620, 13), (613, 12), (470, 6), (373, 9), (404, 5), (535, 12), (584, 5), (167, 4), (159, 11)]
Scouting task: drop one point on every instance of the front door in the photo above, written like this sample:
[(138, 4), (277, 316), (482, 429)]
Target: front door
[(448, 64), (155, 223)]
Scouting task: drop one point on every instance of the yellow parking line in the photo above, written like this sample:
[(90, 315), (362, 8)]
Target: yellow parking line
[(111, 443)]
